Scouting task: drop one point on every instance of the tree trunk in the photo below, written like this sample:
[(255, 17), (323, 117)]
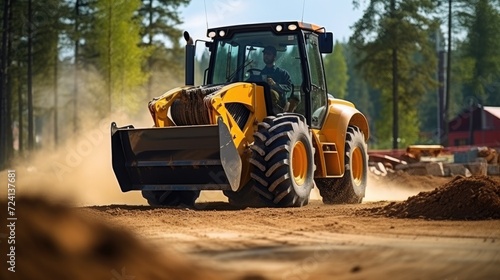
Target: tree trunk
[(150, 42), (31, 136), (20, 108), (9, 135), (448, 78), (75, 77), (56, 128), (3, 88), (110, 87), (395, 97)]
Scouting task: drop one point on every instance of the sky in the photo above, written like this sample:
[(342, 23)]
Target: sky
[(336, 16)]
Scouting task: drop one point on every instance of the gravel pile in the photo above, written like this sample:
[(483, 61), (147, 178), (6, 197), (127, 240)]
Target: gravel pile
[(473, 198)]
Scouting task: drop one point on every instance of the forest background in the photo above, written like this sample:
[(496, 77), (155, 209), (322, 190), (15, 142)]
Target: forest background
[(66, 65)]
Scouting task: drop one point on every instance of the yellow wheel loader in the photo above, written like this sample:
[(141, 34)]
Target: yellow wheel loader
[(239, 132)]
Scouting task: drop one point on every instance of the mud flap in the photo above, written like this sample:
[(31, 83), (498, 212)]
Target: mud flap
[(200, 157)]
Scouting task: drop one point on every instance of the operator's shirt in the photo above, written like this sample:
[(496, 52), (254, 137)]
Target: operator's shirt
[(283, 83), (280, 77)]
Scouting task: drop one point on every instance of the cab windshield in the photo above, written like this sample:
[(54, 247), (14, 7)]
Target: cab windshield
[(240, 58)]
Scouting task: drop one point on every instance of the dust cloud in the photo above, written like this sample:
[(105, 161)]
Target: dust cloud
[(381, 192), (394, 187), (399, 186), (378, 190), (79, 170)]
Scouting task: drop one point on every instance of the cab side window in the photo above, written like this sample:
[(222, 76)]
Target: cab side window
[(227, 57), (318, 85)]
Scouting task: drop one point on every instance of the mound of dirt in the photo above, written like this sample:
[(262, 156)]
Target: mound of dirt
[(473, 198), (53, 241)]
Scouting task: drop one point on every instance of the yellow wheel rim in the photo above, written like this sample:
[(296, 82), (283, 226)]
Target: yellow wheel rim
[(357, 166), (299, 163)]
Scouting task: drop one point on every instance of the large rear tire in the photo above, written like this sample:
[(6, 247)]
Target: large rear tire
[(171, 198), (349, 189), (283, 161)]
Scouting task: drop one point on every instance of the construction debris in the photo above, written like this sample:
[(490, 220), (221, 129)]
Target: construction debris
[(490, 155), (437, 161)]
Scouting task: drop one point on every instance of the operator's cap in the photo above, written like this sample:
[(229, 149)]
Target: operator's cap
[(270, 49)]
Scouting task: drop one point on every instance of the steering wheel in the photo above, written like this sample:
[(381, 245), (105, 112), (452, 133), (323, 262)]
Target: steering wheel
[(253, 74), (253, 71)]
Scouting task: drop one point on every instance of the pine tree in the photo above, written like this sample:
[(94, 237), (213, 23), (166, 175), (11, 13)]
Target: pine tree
[(481, 50), (358, 90), (120, 57), (336, 72), (161, 38), (397, 58), (4, 112)]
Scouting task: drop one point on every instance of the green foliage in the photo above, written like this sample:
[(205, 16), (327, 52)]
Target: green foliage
[(409, 132), (85, 60), (336, 71), (159, 34), (404, 28), (46, 43), (481, 51), (120, 57), (461, 75), (160, 18), (358, 90), (46, 28)]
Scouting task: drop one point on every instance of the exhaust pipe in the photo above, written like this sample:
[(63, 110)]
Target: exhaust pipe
[(189, 63)]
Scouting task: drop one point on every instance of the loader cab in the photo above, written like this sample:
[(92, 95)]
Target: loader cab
[(236, 55)]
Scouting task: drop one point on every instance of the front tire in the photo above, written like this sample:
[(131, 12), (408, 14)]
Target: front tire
[(283, 161), (350, 189)]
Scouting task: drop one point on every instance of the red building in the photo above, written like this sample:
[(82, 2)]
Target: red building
[(478, 126)]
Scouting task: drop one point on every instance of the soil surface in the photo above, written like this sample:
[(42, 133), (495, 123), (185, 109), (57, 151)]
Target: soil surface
[(215, 241)]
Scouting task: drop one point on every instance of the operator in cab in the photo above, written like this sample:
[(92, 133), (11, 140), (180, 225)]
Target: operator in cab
[(279, 80)]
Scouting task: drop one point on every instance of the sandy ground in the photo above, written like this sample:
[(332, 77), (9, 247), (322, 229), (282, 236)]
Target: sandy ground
[(314, 242), (317, 241)]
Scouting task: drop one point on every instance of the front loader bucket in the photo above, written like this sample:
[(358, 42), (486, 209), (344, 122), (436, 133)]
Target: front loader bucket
[(175, 158)]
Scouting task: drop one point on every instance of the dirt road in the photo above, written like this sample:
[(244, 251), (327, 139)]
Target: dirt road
[(316, 242)]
